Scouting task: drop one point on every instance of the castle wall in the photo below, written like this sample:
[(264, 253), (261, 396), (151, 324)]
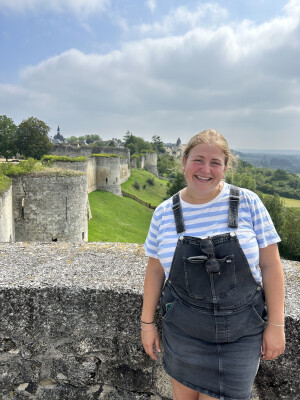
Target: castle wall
[(71, 151), (91, 175), (73, 165), (133, 163), (150, 164), (85, 151), (124, 170), (50, 207), (93, 172), (70, 326), (108, 174), (6, 217)]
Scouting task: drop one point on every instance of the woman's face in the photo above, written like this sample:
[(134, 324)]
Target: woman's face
[(204, 168)]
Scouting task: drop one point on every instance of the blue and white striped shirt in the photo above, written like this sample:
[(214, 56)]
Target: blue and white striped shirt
[(255, 227)]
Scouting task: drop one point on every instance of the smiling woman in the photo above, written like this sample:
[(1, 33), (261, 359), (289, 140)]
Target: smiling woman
[(204, 246)]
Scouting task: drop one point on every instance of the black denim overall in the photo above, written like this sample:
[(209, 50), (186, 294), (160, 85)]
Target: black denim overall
[(212, 321)]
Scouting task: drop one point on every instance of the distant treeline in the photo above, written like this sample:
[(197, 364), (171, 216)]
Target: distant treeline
[(265, 180), (288, 162)]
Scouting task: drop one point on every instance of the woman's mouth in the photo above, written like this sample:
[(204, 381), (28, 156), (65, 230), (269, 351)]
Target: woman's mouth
[(202, 178)]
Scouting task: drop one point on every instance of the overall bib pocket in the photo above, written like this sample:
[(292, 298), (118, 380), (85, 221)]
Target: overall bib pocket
[(201, 284)]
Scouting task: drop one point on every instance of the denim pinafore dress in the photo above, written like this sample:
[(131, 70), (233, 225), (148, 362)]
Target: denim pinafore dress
[(213, 312)]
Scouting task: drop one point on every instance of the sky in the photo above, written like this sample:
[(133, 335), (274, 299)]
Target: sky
[(170, 68)]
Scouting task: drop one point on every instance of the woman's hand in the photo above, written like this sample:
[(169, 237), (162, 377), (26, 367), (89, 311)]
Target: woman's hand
[(273, 342), (150, 340)]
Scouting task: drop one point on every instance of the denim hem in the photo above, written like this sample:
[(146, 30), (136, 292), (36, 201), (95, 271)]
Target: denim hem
[(201, 390)]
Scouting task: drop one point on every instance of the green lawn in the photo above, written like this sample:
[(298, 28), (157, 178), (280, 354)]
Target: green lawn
[(290, 202), (153, 194), (117, 219)]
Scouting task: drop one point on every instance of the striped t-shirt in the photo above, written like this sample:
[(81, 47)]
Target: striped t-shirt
[(255, 227)]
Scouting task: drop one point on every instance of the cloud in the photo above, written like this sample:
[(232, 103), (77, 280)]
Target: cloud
[(151, 4), (183, 18), (78, 7), (240, 78)]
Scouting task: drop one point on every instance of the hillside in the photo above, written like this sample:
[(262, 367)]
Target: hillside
[(146, 187), (117, 219)]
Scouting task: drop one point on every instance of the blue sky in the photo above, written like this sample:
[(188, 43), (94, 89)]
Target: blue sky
[(157, 67)]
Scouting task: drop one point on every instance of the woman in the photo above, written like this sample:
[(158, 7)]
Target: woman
[(208, 241)]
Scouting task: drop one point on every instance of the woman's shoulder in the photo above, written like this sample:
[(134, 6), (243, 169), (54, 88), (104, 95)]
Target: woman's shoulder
[(165, 206), (247, 195)]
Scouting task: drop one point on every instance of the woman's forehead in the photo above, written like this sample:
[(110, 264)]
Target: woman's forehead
[(207, 149)]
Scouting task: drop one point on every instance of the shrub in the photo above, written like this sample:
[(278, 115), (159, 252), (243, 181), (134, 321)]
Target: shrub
[(136, 185), (63, 158), (150, 181), (104, 155)]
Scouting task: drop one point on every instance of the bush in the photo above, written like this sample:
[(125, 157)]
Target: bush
[(63, 158), (136, 185), (150, 181), (5, 182)]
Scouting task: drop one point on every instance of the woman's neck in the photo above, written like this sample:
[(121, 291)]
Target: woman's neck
[(191, 197)]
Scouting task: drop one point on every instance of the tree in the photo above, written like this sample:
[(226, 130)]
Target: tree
[(32, 138), (92, 138), (179, 183), (275, 207), (141, 144), (157, 144), (290, 235), (7, 137), (72, 139)]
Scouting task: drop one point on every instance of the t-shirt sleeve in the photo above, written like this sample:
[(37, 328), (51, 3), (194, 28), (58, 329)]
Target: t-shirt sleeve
[(151, 243), (263, 226)]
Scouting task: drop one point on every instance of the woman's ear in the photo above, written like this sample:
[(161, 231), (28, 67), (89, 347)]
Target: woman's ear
[(224, 172), (183, 163)]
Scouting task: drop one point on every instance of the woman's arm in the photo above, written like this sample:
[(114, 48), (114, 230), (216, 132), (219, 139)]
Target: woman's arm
[(154, 280), (273, 281)]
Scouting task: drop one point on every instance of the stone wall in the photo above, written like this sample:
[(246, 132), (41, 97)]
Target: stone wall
[(69, 326), (124, 170), (49, 207), (108, 174), (91, 174), (85, 151), (150, 163), (7, 232)]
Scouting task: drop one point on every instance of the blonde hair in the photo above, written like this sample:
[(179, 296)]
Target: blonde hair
[(210, 136)]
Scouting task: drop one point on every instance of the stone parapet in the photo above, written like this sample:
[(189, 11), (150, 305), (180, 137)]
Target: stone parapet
[(69, 326), (7, 230)]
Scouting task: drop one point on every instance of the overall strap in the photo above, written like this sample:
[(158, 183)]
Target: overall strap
[(234, 203), (177, 210)]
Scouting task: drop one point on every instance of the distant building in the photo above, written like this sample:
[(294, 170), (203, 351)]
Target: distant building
[(58, 138)]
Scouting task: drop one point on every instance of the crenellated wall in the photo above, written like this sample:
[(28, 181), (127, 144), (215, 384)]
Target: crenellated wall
[(70, 329)]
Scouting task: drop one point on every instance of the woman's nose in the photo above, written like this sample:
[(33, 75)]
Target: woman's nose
[(205, 167)]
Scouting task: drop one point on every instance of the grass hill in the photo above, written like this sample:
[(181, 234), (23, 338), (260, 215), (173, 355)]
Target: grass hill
[(120, 219), (117, 219), (146, 187)]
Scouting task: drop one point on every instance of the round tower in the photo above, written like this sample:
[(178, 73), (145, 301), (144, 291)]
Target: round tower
[(150, 163), (51, 207)]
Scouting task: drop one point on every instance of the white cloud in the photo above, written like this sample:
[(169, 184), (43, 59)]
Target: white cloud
[(151, 4), (242, 79), (78, 7), (182, 17)]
